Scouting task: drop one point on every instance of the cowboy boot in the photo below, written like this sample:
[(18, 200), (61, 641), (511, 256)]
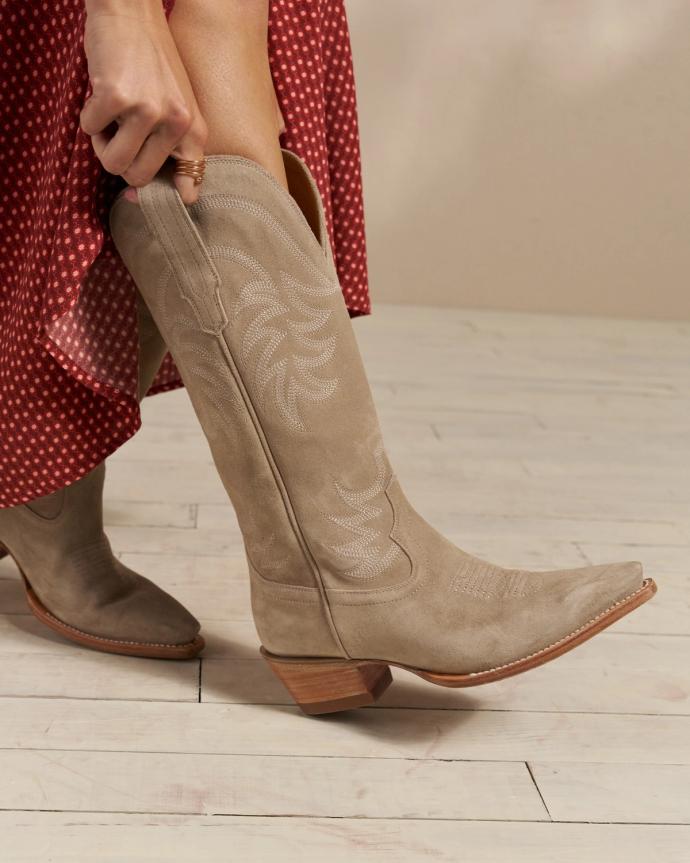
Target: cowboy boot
[(73, 582), (346, 578)]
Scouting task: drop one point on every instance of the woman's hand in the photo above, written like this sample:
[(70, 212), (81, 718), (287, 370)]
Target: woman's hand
[(143, 108)]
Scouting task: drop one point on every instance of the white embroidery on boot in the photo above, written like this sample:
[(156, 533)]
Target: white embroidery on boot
[(364, 549), (258, 211), (282, 320), (484, 580)]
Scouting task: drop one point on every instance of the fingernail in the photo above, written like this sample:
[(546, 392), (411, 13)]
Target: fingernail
[(131, 195)]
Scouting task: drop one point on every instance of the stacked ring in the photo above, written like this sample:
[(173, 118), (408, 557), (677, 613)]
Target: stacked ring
[(191, 168)]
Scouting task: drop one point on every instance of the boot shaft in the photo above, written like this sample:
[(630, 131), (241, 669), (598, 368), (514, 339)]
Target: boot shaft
[(246, 278), (46, 531)]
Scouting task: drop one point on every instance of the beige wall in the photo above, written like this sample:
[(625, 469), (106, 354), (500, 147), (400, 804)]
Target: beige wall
[(527, 154)]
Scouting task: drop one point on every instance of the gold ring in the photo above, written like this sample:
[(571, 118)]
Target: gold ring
[(191, 168)]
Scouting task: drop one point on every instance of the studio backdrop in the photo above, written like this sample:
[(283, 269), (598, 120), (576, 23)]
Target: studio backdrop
[(530, 154)]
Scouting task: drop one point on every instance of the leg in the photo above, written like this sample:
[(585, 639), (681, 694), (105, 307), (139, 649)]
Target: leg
[(223, 45)]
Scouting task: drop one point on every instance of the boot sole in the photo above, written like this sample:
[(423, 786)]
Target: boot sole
[(327, 686), (105, 645)]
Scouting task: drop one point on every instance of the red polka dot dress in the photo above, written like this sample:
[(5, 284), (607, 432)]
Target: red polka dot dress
[(68, 341)]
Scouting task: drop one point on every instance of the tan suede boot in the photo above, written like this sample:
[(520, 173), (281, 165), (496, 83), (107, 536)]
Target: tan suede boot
[(74, 584), (346, 577)]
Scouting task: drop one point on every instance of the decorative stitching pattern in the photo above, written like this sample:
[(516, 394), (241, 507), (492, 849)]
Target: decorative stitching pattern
[(266, 557), (573, 634), (483, 580), (364, 547), (253, 208), (281, 316)]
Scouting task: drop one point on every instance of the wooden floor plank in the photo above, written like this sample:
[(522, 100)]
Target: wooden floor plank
[(632, 793), (171, 481), (52, 723), (87, 674), (262, 785), (532, 440)]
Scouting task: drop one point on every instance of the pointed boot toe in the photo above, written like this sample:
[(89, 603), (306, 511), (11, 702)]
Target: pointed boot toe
[(606, 585), (577, 596), (587, 599), (618, 580), (558, 610), (76, 586), (149, 617), (129, 615)]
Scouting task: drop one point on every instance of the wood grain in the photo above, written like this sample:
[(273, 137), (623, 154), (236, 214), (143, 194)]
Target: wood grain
[(536, 441)]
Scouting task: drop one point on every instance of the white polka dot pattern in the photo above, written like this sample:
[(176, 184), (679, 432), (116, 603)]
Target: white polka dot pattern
[(312, 69), (68, 354)]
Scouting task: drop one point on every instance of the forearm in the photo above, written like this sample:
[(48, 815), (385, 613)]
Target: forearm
[(142, 109)]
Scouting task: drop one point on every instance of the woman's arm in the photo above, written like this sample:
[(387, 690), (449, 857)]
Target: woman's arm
[(142, 108)]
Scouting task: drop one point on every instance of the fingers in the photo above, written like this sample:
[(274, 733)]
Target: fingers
[(100, 110), (154, 152), (150, 156), (192, 146), (134, 143), (143, 139), (117, 152)]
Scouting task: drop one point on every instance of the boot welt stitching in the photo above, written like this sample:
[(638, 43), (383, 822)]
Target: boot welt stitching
[(496, 668), (64, 625), (61, 623), (550, 647), (570, 635)]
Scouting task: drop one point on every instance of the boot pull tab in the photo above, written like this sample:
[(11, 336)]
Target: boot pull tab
[(197, 278)]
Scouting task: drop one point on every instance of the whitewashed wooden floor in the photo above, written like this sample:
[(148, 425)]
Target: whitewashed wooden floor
[(532, 440)]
